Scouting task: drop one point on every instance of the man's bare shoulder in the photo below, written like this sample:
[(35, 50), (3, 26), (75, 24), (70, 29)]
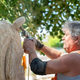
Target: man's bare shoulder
[(70, 57)]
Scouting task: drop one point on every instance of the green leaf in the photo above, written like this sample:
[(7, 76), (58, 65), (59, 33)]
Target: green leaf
[(35, 11)]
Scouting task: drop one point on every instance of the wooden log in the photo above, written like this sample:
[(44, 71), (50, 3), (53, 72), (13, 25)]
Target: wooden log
[(11, 53)]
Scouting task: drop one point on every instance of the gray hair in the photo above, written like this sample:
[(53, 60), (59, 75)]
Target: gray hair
[(73, 27)]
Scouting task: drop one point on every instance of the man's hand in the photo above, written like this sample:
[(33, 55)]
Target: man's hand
[(28, 46), (38, 44)]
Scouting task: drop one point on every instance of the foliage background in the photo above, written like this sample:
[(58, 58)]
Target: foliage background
[(53, 42), (41, 14)]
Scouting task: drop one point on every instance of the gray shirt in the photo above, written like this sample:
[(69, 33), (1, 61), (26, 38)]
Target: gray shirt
[(61, 76)]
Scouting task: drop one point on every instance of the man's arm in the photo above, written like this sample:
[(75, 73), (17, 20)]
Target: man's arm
[(37, 65), (62, 64), (51, 52)]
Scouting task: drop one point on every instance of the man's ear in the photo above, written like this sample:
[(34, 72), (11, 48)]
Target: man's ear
[(77, 40)]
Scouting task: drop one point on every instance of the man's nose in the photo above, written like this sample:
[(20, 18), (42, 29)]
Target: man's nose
[(63, 37)]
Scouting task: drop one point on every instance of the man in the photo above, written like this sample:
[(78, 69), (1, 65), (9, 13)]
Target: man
[(67, 67)]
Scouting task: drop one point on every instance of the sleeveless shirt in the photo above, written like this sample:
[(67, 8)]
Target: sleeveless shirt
[(61, 76)]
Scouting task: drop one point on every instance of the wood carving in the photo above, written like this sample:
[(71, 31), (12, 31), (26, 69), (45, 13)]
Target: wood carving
[(11, 51)]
